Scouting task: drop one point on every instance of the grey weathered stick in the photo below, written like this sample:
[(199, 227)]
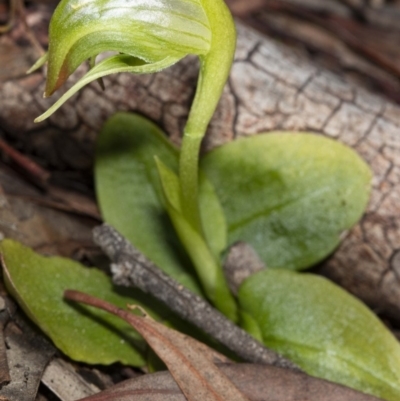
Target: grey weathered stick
[(241, 262), (131, 268)]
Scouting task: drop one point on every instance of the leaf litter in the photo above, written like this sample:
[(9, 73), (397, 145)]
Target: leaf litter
[(194, 374), (188, 361)]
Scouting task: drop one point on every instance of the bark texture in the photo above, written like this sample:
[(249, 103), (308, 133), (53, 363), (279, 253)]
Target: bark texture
[(270, 88)]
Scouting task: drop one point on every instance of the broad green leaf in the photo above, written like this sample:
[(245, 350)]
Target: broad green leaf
[(291, 196), (111, 65), (131, 199), (150, 30), (84, 334), (323, 329)]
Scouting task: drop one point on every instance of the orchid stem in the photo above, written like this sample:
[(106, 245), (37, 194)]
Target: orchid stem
[(214, 71), (189, 179)]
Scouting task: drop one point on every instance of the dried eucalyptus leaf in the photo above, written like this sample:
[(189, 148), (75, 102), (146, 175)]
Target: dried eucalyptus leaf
[(323, 329), (84, 334), (289, 195), (190, 362), (257, 382)]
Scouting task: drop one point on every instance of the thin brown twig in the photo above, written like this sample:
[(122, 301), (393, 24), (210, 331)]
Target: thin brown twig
[(131, 268), (11, 17), (17, 7), (28, 31), (36, 173)]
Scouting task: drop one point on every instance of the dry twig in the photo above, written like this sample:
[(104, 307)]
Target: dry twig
[(131, 268)]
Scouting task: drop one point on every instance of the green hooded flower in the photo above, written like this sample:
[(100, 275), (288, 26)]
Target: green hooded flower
[(146, 36)]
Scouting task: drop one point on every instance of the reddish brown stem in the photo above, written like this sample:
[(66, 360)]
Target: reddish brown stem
[(77, 296), (90, 300), (38, 174)]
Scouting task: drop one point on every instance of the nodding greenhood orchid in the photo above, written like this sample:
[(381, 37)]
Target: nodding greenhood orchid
[(148, 36)]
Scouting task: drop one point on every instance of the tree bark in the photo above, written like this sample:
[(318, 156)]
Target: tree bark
[(270, 88)]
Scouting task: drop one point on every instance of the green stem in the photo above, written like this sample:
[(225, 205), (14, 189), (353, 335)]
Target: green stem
[(214, 71), (189, 178)]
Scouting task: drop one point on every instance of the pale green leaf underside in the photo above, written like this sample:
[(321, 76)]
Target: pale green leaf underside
[(111, 65), (149, 29), (290, 195), (84, 334), (131, 198), (170, 185), (326, 331)]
